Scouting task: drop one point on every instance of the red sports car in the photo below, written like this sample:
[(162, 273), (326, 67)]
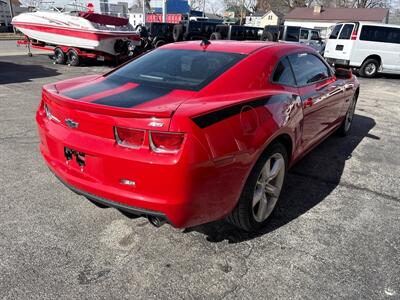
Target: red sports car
[(194, 132)]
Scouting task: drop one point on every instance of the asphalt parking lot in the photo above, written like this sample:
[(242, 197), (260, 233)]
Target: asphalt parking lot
[(335, 234)]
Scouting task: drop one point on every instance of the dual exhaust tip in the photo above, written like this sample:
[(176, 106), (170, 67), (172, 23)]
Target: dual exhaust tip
[(156, 221)]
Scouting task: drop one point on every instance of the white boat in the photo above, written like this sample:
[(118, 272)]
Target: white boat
[(77, 28)]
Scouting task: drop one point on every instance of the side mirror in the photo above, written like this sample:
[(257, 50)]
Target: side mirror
[(343, 73)]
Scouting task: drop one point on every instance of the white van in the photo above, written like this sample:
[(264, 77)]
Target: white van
[(367, 47)]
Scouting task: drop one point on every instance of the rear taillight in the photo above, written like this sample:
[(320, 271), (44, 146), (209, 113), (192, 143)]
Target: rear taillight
[(130, 138), (166, 142), (354, 34)]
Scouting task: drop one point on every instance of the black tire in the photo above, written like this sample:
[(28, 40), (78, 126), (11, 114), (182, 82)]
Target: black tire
[(242, 215), (142, 30), (73, 58), (59, 56), (215, 36), (345, 127), (159, 43), (369, 68), (267, 36), (177, 32)]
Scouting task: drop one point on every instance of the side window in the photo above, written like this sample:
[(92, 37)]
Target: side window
[(380, 34), (335, 32), (345, 34), (394, 36), (304, 34), (292, 34), (308, 68), (314, 35), (283, 73)]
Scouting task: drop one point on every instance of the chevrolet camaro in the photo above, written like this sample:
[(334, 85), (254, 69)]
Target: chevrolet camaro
[(194, 132)]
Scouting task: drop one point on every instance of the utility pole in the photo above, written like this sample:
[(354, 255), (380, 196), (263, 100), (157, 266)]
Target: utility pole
[(144, 13), (164, 11), (204, 8), (11, 12)]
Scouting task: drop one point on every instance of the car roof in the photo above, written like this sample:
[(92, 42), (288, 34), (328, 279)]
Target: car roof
[(370, 23), (242, 47)]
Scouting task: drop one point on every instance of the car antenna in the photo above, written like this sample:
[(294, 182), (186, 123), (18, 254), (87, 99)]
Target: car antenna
[(205, 43)]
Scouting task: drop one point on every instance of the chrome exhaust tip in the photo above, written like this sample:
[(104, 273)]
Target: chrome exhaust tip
[(156, 222)]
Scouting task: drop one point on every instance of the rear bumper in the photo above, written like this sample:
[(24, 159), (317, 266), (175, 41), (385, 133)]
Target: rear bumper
[(338, 62), (186, 190), (126, 208)]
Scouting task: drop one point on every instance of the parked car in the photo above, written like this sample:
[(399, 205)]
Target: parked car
[(193, 30), (294, 34), (192, 132), (370, 48), (236, 32)]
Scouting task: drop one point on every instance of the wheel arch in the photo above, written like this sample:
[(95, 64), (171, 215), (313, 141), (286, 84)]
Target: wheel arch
[(286, 141), (373, 56)]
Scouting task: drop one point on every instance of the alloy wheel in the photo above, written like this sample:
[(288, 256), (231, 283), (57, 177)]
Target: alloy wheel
[(268, 187), (350, 115), (370, 69)]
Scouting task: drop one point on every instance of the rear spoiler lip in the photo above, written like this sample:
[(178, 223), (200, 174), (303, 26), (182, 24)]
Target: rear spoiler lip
[(48, 95)]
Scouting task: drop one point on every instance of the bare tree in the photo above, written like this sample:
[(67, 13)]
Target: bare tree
[(213, 6), (196, 4), (371, 3), (241, 7)]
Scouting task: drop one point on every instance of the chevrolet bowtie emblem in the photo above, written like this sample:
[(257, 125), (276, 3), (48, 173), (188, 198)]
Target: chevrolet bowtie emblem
[(71, 123)]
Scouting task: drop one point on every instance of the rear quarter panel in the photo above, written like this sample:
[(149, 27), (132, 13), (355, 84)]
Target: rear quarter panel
[(235, 127)]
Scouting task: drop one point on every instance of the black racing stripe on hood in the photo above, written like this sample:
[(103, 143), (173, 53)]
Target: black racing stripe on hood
[(133, 97), (91, 89), (213, 117)]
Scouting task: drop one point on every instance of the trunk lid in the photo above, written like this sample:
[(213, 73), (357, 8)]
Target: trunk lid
[(101, 95), (97, 105)]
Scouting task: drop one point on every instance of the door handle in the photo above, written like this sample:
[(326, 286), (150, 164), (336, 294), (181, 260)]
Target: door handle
[(349, 86)]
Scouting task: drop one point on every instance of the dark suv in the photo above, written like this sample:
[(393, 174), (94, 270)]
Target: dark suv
[(236, 32), (193, 30)]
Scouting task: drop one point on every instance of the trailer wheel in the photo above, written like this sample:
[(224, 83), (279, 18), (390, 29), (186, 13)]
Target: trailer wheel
[(59, 56), (73, 58), (177, 32), (159, 43), (215, 36)]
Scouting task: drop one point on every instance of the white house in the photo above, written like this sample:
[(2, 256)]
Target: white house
[(261, 19), (5, 15), (324, 19), (136, 16)]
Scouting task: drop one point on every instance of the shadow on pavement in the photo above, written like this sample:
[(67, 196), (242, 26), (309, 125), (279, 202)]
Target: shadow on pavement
[(17, 73), (307, 184)]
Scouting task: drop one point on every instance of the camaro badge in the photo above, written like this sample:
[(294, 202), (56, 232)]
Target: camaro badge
[(71, 123)]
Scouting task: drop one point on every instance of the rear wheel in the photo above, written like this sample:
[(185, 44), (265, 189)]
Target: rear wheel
[(73, 58), (267, 36), (262, 189), (344, 129), (369, 68), (59, 56)]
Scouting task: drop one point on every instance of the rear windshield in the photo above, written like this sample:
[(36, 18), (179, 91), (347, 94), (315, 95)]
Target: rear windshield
[(345, 34), (335, 32), (177, 69)]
